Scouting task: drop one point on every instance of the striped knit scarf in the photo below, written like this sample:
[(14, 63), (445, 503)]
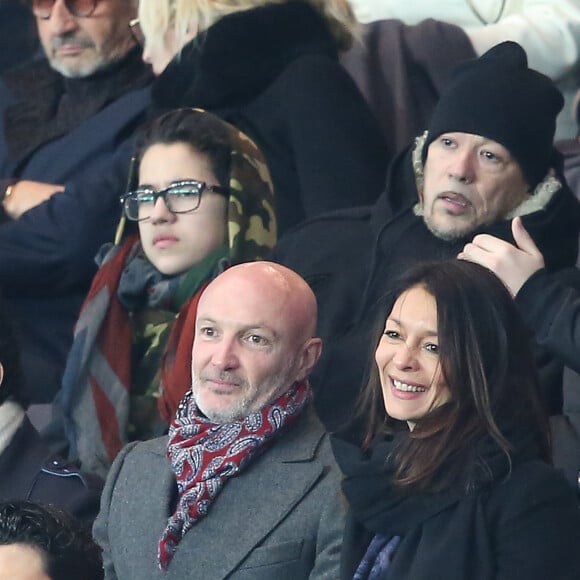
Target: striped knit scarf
[(204, 455), (95, 396)]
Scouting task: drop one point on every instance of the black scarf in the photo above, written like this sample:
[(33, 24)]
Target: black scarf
[(447, 529), (383, 508)]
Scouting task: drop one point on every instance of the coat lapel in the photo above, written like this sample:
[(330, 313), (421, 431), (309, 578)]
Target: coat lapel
[(253, 504)]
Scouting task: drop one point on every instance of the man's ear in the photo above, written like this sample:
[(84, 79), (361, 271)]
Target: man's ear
[(1, 374), (311, 352)]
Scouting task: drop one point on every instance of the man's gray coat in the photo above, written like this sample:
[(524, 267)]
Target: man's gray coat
[(270, 522)]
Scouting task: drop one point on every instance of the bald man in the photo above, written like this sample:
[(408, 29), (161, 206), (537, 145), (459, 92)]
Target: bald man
[(239, 487)]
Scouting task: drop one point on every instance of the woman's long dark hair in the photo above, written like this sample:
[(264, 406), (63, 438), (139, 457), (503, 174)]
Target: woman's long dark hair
[(489, 368)]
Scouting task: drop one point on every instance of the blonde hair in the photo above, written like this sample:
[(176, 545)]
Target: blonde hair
[(160, 17)]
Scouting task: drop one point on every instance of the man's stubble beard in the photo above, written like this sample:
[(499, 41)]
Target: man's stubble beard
[(97, 61), (234, 412), (447, 236), (277, 385), (452, 236)]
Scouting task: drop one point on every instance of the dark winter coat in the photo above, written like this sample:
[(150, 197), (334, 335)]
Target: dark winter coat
[(269, 523), (519, 524), (47, 255), (273, 72), (349, 258), (551, 307), (28, 471)]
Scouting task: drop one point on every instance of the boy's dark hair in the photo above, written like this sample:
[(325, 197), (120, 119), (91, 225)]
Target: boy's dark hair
[(202, 131), (66, 547)]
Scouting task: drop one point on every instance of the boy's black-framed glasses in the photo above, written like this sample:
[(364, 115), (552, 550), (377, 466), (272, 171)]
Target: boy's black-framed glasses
[(43, 8), (179, 197)]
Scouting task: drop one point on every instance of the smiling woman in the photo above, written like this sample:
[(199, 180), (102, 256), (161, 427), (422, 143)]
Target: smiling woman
[(203, 202), (457, 445), (407, 358), (458, 351)]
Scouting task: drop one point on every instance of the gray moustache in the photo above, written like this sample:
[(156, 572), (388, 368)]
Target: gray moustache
[(225, 377), (66, 40)]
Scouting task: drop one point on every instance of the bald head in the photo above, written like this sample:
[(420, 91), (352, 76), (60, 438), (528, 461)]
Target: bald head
[(254, 339), (278, 290)]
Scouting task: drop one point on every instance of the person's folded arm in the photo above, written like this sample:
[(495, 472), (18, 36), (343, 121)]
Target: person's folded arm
[(50, 249)]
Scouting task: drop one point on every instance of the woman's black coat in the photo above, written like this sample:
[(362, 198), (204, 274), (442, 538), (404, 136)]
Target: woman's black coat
[(520, 525), (273, 72)]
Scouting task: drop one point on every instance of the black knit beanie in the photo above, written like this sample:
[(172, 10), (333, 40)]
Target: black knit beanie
[(498, 97)]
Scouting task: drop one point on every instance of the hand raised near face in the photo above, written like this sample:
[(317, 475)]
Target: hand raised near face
[(512, 264)]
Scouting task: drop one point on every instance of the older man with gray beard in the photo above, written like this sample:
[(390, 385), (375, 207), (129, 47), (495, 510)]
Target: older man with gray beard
[(65, 127)]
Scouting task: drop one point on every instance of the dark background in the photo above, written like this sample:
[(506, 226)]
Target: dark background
[(18, 40)]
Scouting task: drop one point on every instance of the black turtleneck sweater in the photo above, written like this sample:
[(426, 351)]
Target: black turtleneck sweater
[(49, 105)]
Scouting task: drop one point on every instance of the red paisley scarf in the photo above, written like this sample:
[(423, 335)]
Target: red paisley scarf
[(204, 455)]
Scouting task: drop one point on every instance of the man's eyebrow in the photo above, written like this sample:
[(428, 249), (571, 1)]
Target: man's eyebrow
[(251, 326), (260, 328), (204, 319), (486, 141)]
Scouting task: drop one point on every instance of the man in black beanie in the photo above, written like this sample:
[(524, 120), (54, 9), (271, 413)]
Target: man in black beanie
[(487, 156), (498, 99)]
